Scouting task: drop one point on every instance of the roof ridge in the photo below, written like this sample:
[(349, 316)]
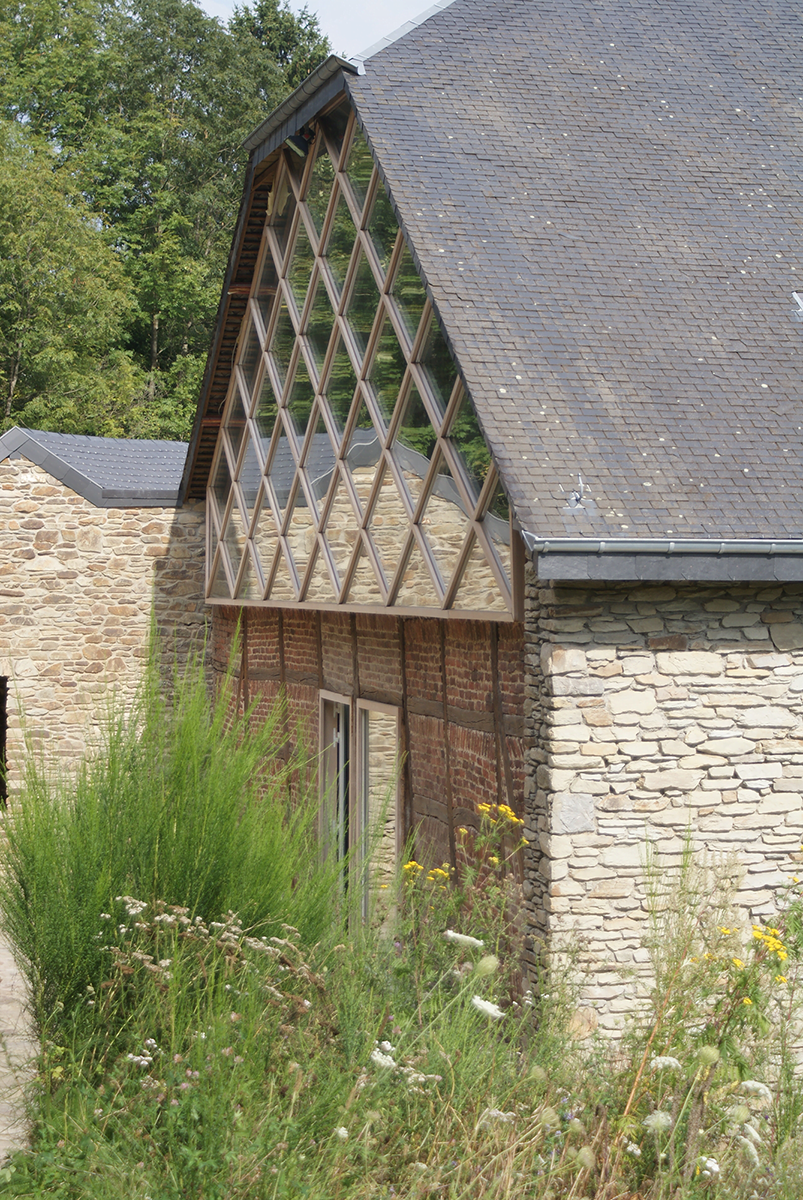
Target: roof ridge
[(359, 59)]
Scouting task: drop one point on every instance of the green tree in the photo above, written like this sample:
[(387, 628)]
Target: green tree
[(64, 301)]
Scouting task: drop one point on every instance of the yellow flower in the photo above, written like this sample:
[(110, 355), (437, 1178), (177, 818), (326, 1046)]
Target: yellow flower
[(795, 879), (747, 1000), (737, 962), (411, 866), (780, 979), (724, 929), (493, 860)]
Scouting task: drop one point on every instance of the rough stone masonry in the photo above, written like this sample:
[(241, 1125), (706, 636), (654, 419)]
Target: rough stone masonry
[(654, 712)]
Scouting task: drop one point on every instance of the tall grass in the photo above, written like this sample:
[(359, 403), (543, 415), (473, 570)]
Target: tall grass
[(216, 1024), (185, 802)]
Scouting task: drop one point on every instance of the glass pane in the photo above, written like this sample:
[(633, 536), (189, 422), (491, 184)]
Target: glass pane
[(319, 325), (250, 477), (466, 436), (387, 370), (266, 537), (234, 537), (300, 532), (438, 364), (379, 771), (321, 588), (408, 292), (283, 586), (335, 124), (340, 243), (359, 166), (266, 289), (300, 399), (445, 523), (341, 529), (235, 422), (284, 336), (417, 589), (319, 461), (363, 304), (364, 588), (499, 505), (364, 454), (389, 524), (414, 443), (250, 584), (479, 589), (319, 188), (299, 270), (382, 226), (282, 467), (249, 357), (283, 210), (265, 414), (340, 386), (221, 483), (220, 585)]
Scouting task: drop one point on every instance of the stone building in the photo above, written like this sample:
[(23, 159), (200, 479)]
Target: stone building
[(500, 439), (92, 550)]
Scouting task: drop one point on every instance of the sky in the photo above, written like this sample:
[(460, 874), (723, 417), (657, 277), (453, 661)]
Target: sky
[(351, 25)]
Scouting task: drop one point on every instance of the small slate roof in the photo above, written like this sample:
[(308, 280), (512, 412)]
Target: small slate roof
[(109, 472), (604, 201)]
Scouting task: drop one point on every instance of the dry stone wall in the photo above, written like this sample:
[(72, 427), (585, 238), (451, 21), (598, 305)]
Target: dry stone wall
[(78, 588), (653, 711)]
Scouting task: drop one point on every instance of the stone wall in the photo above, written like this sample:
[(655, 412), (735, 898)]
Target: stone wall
[(653, 711), (78, 589)]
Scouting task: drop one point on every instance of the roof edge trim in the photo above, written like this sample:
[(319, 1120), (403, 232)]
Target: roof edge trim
[(321, 75), (407, 27), (667, 546)]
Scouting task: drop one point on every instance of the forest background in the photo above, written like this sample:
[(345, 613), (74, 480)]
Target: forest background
[(121, 170)]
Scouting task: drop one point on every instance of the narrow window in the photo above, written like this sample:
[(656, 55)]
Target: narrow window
[(3, 739), (359, 789)]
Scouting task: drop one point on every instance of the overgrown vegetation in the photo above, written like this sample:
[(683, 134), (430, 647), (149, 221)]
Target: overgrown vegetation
[(217, 1022), (120, 178)]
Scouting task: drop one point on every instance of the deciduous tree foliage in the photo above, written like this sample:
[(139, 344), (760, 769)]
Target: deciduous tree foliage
[(132, 115)]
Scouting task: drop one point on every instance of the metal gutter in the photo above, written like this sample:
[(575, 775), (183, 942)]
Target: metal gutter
[(305, 91), (714, 546)]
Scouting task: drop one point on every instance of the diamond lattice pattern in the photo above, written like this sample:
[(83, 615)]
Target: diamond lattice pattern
[(351, 468)]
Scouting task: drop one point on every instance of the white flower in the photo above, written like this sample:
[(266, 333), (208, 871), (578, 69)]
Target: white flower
[(752, 1133), (708, 1167), (495, 1115), (150, 1044), (633, 1149), (658, 1121), (486, 1008), (342, 1133), (749, 1149), (381, 1060), (463, 939), (386, 1048), (754, 1087), (140, 1060), (661, 1061)]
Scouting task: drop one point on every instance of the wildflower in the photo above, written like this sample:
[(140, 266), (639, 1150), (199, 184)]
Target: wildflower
[(752, 1133), (747, 1000), (150, 1044), (780, 979), (708, 1167), (493, 860), (411, 867), (342, 1133), (632, 1149), (105, 916), (724, 929), (487, 1008), (737, 962), (749, 1149), (586, 1158), (662, 1061), (140, 1060), (486, 966), (658, 1121), (754, 1087), (708, 1055), (382, 1060), (386, 1048), (463, 939), (495, 1116)]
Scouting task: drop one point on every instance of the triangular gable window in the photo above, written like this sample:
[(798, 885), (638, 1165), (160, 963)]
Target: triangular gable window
[(374, 480)]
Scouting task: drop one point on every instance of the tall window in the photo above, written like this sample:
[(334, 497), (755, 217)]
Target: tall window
[(351, 467), (360, 789)]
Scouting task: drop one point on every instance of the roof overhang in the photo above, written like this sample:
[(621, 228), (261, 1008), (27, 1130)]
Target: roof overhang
[(701, 560)]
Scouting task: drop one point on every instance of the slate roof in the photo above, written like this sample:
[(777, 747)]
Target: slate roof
[(109, 472), (605, 203)]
